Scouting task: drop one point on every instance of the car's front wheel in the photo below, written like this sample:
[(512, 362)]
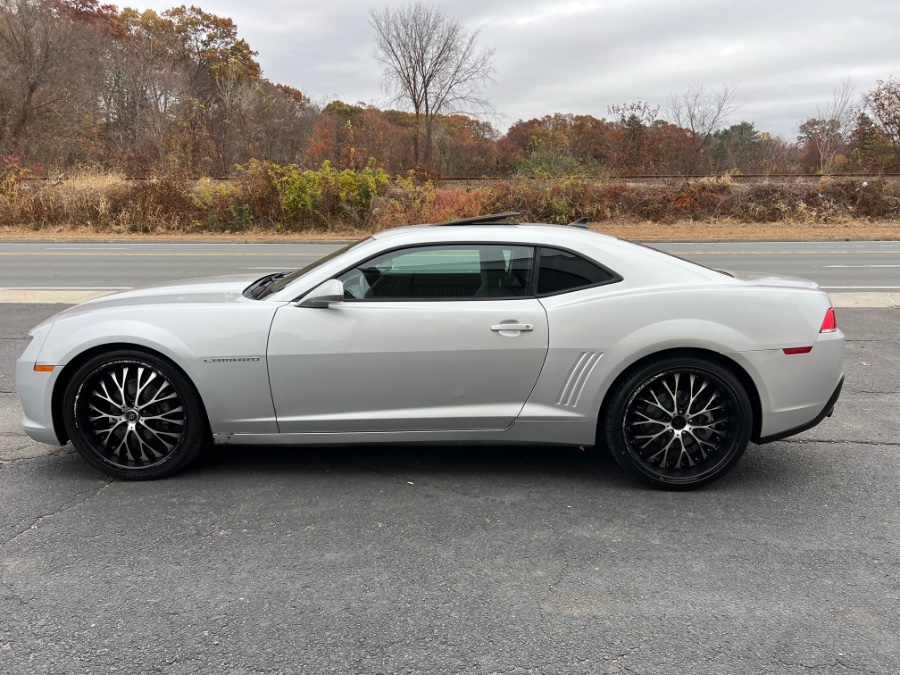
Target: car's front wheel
[(678, 422), (134, 415)]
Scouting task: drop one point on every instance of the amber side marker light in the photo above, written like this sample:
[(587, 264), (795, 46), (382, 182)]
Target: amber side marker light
[(43, 369)]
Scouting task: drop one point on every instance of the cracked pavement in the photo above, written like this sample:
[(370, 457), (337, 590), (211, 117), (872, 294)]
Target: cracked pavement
[(467, 560)]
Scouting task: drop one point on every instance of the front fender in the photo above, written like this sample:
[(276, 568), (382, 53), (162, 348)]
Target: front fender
[(71, 341), (221, 348)]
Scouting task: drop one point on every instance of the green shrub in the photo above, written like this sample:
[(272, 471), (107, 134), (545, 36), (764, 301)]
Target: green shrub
[(315, 198)]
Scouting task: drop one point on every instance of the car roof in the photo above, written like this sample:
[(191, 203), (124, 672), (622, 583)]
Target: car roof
[(537, 233)]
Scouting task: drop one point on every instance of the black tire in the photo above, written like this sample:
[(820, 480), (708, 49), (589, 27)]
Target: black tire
[(134, 415), (678, 423)]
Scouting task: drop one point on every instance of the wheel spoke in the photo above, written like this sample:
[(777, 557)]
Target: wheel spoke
[(646, 419), (145, 448), (163, 417), (709, 405), (159, 436), (683, 454), (106, 396), (651, 437), (664, 452), (672, 394), (110, 432), (656, 402), (159, 399), (710, 425), (694, 396), (103, 415), (121, 385), (701, 443), (141, 387), (123, 444)]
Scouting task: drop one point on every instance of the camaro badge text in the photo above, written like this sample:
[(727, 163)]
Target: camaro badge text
[(239, 359)]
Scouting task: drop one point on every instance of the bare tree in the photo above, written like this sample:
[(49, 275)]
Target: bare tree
[(139, 84), (432, 64), (701, 112), (838, 116), (33, 41), (634, 112)]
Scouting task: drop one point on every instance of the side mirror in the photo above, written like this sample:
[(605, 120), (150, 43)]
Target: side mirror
[(324, 295)]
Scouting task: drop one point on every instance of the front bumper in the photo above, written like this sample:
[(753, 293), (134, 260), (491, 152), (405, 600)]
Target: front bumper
[(35, 391)]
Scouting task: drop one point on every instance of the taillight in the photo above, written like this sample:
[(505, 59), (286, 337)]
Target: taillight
[(829, 325)]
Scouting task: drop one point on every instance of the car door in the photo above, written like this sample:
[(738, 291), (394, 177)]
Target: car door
[(428, 338)]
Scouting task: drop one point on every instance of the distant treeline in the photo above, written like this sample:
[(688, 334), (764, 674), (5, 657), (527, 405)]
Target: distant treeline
[(178, 94)]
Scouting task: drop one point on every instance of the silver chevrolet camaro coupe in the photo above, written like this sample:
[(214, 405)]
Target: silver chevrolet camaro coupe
[(476, 331)]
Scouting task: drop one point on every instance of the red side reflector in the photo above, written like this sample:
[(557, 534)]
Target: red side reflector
[(43, 369), (797, 350), (829, 325)]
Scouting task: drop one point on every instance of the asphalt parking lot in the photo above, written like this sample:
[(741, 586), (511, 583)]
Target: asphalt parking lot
[(469, 560)]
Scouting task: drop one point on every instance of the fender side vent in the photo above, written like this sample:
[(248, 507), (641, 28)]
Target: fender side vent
[(576, 379)]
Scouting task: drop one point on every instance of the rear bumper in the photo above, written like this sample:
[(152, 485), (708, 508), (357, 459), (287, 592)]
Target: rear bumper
[(793, 389), (826, 412)]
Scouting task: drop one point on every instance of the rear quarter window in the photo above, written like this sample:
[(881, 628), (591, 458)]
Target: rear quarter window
[(560, 271)]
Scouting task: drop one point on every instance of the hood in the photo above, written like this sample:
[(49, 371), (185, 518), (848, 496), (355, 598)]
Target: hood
[(190, 291), (774, 280)]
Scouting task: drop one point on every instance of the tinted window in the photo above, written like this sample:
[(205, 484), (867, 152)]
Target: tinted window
[(443, 272), (563, 271)]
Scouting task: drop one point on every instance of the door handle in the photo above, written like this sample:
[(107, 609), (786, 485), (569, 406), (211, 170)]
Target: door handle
[(513, 326)]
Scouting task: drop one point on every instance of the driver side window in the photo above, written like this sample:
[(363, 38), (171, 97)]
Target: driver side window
[(447, 272)]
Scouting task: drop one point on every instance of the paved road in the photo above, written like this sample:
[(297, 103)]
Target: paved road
[(482, 560), (839, 266)]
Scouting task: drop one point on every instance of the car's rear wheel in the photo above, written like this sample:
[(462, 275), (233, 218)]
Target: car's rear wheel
[(134, 415), (678, 422)]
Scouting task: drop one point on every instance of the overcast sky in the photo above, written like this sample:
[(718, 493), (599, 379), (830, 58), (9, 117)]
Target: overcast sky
[(580, 56)]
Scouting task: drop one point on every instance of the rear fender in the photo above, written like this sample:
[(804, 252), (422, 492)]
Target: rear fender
[(656, 338)]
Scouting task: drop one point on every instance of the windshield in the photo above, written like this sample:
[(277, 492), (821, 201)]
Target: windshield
[(282, 282)]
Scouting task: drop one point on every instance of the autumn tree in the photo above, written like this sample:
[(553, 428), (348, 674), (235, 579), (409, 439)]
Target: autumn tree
[(465, 147), (818, 140), (636, 121), (589, 139), (431, 64), (884, 104), (870, 147), (279, 124), (210, 47)]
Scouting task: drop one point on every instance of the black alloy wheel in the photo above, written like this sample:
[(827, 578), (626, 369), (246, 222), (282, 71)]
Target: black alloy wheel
[(134, 415), (679, 423)]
